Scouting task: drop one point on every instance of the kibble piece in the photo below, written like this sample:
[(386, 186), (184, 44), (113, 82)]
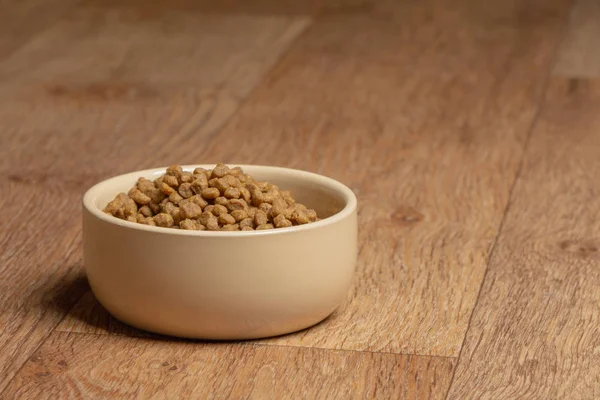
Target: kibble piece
[(226, 219), (175, 198), (222, 201), (251, 212), (190, 210), (185, 190), (186, 177), (139, 197), (220, 171), (140, 218), (200, 171), (230, 193), (236, 171), (281, 222), (260, 218), (166, 189), (239, 215), (164, 220), (210, 193), (174, 170), (207, 218), (209, 208), (213, 225), (247, 222), (189, 224), (219, 209), (288, 197), (122, 207), (246, 228), (199, 184), (155, 207), (245, 194), (278, 208), (148, 221), (221, 184), (236, 204), (311, 214), (300, 217), (145, 184), (199, 200), (171, 181), (231, 227), (264, 226), (145, 211), (232, 181), (265, 207)]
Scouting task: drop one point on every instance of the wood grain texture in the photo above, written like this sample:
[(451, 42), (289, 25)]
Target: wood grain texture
[(579, 56), (424, 115), (132, 92), (91, 366), (239, 7), (40, 267), (21, 20), (536, 330), (98, 94)]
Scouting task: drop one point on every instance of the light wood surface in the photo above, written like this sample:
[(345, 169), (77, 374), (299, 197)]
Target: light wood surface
[(89, 366), (579, 56), (437, 114), (536, 330)]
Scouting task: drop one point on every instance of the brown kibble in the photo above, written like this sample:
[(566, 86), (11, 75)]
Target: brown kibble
[(171, 181), (222, 201), (279, 206), (174, 170), (145, 211), (198, 200), (210, 193), (139, 197), (219, 209), (281, 222), (264, 226), (199, 184), (260, 218), (190, 210), (166, 189), (247, 228), (220, 171), (236, 204), (186, 177), (245, 194), (164, 220), (189, 224), (185, 190), (300, 217), (175, 198), (230, 193), (239, 215), (207, 219), (247, 222), (155, 207), (265, 207), (226, 219), (221, 198), (230, 227)]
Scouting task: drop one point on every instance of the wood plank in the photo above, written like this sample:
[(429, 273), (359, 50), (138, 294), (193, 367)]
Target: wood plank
[(425, 116), (96, 95), (40, 267), (579, 56), (90, 366), (255, 7), (21, 20), (129, 91), (535, 332)]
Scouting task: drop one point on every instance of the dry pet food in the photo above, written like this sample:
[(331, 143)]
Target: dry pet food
[(221, 199)]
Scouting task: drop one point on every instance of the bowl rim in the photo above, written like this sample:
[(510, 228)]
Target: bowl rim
[(346, 193)]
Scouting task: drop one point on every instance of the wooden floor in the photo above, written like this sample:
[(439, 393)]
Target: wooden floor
[(469, 129)]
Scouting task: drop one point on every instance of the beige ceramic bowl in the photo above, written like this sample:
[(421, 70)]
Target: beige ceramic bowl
[(223, 285)]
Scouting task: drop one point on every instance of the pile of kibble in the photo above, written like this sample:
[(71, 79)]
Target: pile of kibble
[(221, 199)]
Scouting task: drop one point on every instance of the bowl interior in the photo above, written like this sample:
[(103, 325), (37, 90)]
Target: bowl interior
[(324, 195)]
